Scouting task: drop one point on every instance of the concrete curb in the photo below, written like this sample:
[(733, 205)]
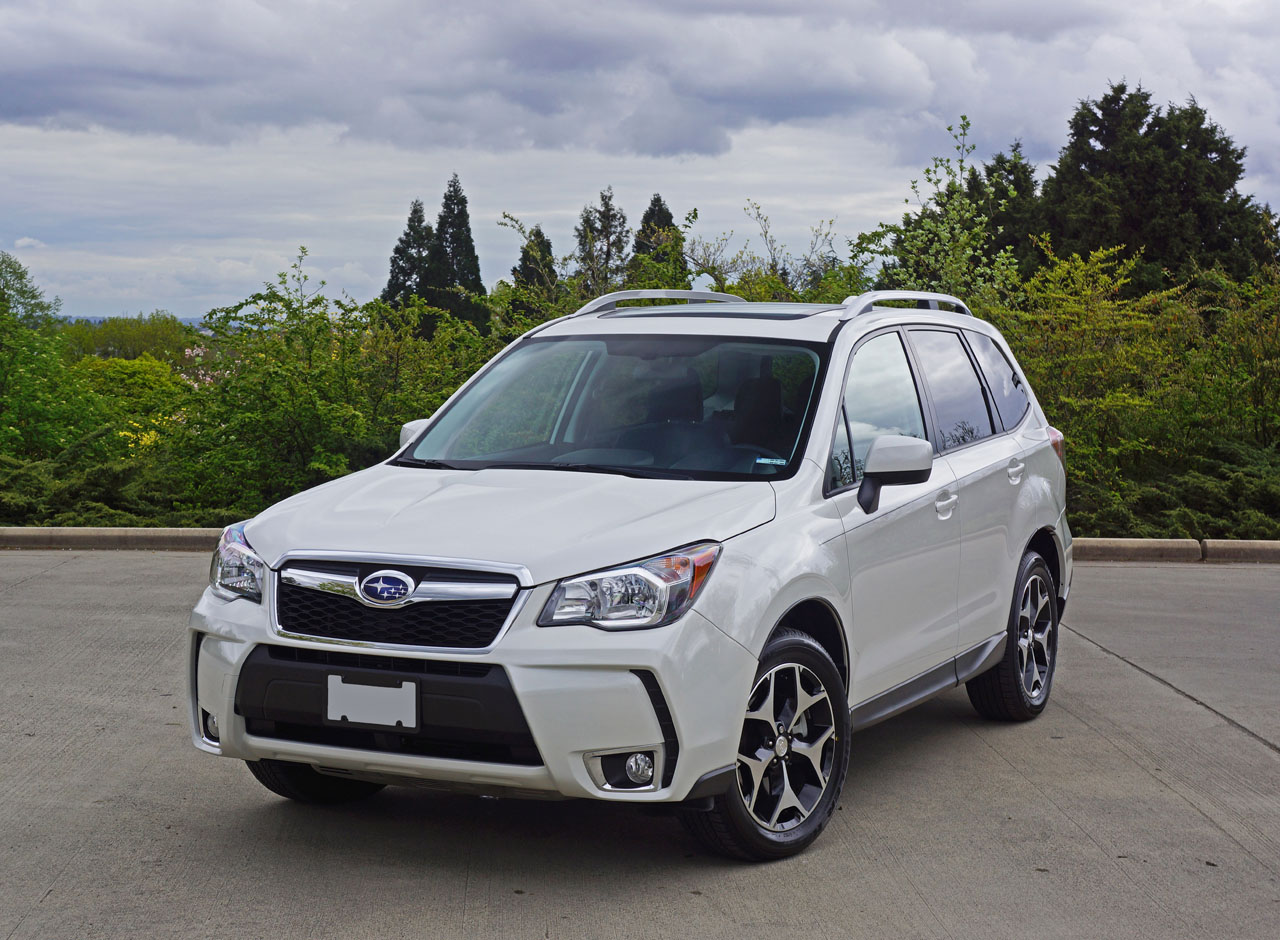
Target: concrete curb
[(1241, 550), (204, 540), (93, 537), (1137, 550)]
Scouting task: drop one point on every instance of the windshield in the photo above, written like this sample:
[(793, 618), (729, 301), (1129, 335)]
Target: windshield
[(700, 407)]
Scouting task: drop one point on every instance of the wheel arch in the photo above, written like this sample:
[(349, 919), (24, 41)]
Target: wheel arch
[(1045, 544), (818, 619)]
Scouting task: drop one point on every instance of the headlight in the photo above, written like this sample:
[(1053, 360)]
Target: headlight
[(235, 570), (643, 594)]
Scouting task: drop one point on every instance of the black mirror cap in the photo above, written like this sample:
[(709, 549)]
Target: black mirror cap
[(869, 490)]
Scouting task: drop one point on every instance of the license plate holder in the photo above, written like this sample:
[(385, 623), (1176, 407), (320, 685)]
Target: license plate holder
[(359, 703)]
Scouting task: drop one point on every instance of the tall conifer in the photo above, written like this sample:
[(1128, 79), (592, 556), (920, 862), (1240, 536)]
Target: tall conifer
[(410, 273), (656, 220), (453, 230), (602, 236)]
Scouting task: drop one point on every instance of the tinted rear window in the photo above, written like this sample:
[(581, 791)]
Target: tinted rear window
[(1007, 388), (958, 400)]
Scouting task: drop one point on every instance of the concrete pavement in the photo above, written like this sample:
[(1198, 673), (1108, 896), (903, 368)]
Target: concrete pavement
[(1128, 809)]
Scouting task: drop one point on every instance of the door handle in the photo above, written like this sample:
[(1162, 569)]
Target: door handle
[(945, 503), (1015, 469)]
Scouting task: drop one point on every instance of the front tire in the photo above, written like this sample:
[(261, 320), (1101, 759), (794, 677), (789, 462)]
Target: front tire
[(1017, 688), (793, 754), (303, 783)]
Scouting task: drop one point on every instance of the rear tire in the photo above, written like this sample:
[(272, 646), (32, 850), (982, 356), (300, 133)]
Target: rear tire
[(1017, 688), (793, 755), (306, 785)]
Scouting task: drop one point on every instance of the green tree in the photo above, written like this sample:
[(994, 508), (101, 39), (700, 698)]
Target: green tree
[(1160, 180), (141, 397), (26, 301), (45, 408), (602, 237), (947, 243), (159, 334), (415, 261), (536, 269), (654, 224), (303, 389), (658, 235), (1007, 192), (457, 248)]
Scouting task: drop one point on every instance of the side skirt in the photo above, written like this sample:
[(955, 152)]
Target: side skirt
[(973, 661)]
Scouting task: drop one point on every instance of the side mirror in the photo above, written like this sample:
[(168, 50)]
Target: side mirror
[(410, 429), (893, 460)]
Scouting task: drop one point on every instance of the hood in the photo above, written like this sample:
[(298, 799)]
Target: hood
[(555, 523)]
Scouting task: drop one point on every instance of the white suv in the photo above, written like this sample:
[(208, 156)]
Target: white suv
[(655, 555)]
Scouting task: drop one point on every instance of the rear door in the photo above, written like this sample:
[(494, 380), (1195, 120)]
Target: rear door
[(989, 472), (904, 558)]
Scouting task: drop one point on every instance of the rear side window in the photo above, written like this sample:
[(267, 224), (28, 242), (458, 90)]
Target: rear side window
[(958, 398), (880, 397), (1007, 389)]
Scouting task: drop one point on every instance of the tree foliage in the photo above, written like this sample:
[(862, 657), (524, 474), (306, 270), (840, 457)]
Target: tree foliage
[(457, 248), (1162, 180), (1169, 397), (947, 243), (602, 237), (416, 264), (26, 301), (160, 335), (45, 407)]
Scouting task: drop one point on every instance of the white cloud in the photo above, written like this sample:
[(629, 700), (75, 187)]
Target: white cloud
[(177, 154)]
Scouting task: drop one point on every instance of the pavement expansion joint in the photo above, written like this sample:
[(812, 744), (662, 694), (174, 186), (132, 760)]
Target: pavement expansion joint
[(1187, 695)]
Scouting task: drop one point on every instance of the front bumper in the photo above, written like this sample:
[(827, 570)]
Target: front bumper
[(531, 715)]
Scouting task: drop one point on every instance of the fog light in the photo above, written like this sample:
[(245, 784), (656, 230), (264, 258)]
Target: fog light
[(640, 768), (211, 726)]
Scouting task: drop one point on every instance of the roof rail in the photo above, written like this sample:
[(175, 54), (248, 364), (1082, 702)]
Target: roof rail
[(926, 299), (610, 301)]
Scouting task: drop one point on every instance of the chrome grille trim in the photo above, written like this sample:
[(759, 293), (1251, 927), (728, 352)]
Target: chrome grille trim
[(522, 592), (347, 586)]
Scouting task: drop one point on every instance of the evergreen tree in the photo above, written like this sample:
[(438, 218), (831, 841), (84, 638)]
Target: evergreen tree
[(536, 269), (658, 236), (1007, 189), (602, 236), (411, 271), (656, 221), (457, 248), (1159, 180)]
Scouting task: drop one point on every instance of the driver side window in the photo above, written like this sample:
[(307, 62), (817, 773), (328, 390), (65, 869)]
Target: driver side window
[(880, 396)]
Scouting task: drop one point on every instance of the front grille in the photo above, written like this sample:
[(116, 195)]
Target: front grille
[(472, 624), (454, 624)]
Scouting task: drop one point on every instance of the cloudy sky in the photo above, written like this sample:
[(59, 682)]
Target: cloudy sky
[(176, 154)]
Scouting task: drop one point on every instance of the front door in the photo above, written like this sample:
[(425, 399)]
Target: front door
[(904, 556)]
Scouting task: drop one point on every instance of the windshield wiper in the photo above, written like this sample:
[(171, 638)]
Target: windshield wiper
[(427, 464), (640, 472)]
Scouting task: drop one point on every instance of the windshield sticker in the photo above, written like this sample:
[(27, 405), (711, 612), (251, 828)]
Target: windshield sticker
[(772, 461)]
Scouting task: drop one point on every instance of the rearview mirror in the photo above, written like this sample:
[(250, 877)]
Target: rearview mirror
[(893, 460), (411, 429)]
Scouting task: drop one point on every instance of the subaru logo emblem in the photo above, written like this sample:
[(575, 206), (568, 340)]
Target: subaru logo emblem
[(386, 587)]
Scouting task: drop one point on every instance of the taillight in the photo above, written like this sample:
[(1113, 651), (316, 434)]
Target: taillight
[(1059, 444)]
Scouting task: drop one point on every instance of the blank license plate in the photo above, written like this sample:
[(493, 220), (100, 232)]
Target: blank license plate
[(384, 706)]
